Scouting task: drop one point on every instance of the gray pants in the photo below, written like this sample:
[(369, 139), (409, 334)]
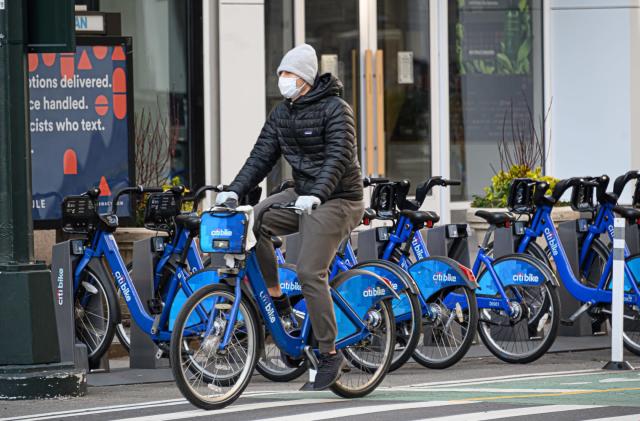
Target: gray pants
[(321, 234)]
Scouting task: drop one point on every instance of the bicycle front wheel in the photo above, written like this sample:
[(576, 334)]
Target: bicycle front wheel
[(274, 366), (529, 332), (210, 376), (96, 314), (448, 327)]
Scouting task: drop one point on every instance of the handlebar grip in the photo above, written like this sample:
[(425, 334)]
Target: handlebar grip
[(200, 193), (369, 181), (452, 182)]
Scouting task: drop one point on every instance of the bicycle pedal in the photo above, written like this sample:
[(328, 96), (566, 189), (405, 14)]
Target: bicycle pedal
[(160, 354), (565, 322), (155, 306)]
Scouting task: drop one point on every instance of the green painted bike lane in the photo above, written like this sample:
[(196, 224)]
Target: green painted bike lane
[(594, 388)]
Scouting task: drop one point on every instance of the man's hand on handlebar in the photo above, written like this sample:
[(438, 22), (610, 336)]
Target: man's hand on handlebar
[(307, 204), (226, 198)]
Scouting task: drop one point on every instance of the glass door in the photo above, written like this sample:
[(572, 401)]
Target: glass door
[(380, 50)]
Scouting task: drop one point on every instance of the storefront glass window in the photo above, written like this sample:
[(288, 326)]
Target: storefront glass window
[(278, 15), (495, 82), (160, 77)]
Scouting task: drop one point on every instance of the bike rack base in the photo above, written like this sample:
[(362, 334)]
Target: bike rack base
[(63, 264), (451, 240), (143, 350), (567, 233)]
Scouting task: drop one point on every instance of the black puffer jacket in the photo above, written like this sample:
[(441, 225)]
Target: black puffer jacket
[(316, 135)]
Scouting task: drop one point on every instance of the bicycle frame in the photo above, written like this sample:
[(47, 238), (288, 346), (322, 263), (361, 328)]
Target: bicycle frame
[(103, 244), (291, 345), (542, 225)]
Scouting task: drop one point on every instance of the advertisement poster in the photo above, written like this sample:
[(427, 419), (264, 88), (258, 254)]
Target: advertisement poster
[(81, 127)]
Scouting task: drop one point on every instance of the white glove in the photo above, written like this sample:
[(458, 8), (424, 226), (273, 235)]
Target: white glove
[(307, 203), (222, 197)]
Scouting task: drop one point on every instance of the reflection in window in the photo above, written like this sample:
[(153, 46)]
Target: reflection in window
[(494, 64), (160, 77)]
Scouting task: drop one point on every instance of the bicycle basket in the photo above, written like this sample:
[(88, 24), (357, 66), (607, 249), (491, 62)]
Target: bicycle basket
[(160, 210), (383, 199), (223, 232), (520, 198), (79, 215), (582, 198)]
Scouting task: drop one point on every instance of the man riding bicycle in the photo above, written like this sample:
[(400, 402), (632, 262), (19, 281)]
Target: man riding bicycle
[(314, 129)]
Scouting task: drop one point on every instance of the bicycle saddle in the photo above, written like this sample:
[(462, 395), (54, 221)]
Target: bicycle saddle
[(190, 222), (418, 218), (627, 212), (496, 218)]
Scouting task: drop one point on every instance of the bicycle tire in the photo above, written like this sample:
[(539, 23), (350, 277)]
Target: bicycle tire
[(491, 340), (250, 320), (466, 342), (105, 288)]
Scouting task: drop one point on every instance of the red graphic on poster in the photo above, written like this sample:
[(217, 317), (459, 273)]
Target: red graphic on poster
[(100, 52), (67, 65), (70, 162), (48, 59), (118, 54), (104, 187), (84, 63), (119, 93), (33, 62), (102, 105)]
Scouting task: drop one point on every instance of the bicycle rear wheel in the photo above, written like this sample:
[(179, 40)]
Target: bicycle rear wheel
[(96, 313), (210, 377), (514, 339), (448, 328), (368, 361)]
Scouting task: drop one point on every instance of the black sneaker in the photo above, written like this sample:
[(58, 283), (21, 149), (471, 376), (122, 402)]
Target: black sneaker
[(329, 370), (282, 305)]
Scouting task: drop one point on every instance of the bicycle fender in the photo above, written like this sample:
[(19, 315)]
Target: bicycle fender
[(516, 269), (361, 290), (97, 265), (435, 273), (400, 279)]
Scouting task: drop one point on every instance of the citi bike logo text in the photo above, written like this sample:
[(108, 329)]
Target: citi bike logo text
[(221, 232), (611, 230), (268, 307), (123, 286), (553, 243), (373, 292), (290, 286), (60, 287), (417, 248), (525, 277), (444, 277)]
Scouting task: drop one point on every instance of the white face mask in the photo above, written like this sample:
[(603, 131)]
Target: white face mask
[(288, 87)]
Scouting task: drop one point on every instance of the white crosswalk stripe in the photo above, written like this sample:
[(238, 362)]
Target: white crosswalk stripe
[(361, 410), (231, 409)]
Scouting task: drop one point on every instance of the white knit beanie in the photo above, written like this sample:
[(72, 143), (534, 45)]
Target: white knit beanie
[(301, 61)]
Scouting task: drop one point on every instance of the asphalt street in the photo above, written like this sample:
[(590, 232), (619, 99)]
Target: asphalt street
[(560, 386)]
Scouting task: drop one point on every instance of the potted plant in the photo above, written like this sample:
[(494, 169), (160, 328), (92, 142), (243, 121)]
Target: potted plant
[(520, 157), (155, 145)]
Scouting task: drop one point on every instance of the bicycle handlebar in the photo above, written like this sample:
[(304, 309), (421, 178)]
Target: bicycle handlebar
[(564, 185), (621, 181), (370, 181), (129, 190), (423, 190), (201, 192)]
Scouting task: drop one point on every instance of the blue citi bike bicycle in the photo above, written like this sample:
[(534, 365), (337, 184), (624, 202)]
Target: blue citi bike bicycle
[(97, 312), (217, 335), (592, 286)]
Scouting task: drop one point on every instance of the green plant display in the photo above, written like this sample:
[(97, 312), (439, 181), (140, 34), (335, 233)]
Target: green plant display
[(513, 56), (497, 193)]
